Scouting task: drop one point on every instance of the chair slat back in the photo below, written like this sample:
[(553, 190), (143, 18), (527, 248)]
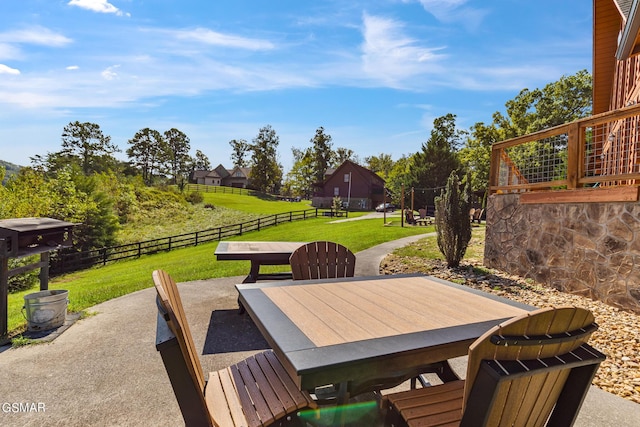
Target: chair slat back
[(541, 334), (322, 260), (169, 299)]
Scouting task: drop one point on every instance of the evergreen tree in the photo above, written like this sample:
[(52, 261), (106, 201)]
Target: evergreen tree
[(266, 173), (453, 225), (177, 146), (148, 149), (86, 142), (240, 149), (201, 162), (430, 168), (323, 155)]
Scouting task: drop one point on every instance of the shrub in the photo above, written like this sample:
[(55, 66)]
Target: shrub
[(25, 280), (452, 220), (195, 197), (336, 204)]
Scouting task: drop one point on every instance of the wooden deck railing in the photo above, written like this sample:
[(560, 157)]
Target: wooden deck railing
[(598, 151)]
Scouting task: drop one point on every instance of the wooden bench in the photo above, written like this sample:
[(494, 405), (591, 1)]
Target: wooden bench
[(254, 392)]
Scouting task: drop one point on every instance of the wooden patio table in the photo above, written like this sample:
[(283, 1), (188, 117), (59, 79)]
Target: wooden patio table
[(259, 253), (377, 330)]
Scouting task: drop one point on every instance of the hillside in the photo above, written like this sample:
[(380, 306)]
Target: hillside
[(10, 168)]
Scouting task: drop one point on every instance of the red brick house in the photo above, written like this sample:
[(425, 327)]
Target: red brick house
[(354, 184)]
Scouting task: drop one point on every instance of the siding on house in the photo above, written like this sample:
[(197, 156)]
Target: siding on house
[(353, 183), (236, 177)]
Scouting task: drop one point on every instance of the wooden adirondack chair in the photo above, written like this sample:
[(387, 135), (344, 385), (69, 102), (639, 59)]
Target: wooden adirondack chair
[(255, 392), (533, 370), (322, 260)]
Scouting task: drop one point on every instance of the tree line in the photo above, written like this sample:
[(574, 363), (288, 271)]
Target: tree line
[(83, 182), (449, 148)]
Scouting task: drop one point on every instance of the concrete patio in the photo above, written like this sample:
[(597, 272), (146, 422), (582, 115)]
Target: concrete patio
[(104, 370)]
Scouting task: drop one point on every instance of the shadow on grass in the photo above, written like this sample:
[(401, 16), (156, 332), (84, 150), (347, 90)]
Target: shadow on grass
[(229, 331), (262, 196)]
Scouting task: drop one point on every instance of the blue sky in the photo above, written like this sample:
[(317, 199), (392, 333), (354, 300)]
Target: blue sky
[(373, 73)]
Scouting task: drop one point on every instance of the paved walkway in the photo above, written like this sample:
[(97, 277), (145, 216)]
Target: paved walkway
[(105, 371)]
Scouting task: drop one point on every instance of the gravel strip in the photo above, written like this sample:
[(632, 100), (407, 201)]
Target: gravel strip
[(618, 335)]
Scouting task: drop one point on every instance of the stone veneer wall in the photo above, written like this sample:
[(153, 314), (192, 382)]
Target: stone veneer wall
[(590, 249)]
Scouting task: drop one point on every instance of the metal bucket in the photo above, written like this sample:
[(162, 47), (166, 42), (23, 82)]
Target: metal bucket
[(46, 309)]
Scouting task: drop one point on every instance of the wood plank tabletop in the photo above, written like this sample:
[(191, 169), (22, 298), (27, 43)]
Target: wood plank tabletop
[(333, 313), (335, 330), (238, 250)]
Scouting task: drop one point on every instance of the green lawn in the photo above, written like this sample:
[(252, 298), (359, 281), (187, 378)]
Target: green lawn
[(96, 285)]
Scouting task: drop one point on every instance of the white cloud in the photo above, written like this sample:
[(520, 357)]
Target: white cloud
[(35, 35), (206, 36), (8, 51), (72, 67), (109, 73), (450, 11), (4, 69), (101, 6), (390, 55)]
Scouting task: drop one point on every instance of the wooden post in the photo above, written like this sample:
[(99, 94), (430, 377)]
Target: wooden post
[(4, 295), (575, 147), (384, 203), (412, 199), (402, 207), (494, 168), (44, 271)]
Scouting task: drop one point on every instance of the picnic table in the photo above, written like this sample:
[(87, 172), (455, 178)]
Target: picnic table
[(369, 330), (259, 253)]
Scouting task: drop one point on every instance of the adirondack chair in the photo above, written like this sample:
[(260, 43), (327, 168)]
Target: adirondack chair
[(255, 392), (322, 260), (477, 216), (532, 370)]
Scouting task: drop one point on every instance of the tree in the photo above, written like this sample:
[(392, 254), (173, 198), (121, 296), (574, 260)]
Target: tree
[(322, 153), (475, 156), (399, 177), (240, 149), (177, 147), (431, 167), (201, 162), (381, 164), (148, 149), (86, 142), (563, 101), (343, 154), (300, 179), (266, 173), (453, 225), (557, 103)]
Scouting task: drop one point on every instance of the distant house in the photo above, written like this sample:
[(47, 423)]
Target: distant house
[(221, 176), (354, 184)]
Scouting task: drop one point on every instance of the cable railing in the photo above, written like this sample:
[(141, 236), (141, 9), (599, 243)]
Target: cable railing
[(598, 151)]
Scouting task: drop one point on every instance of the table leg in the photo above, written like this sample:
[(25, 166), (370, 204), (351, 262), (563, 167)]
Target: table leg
[(341, 402), (251, 278), (253, 273)]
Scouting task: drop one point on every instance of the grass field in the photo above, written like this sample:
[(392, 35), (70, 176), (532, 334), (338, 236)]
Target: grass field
[(89, 287)]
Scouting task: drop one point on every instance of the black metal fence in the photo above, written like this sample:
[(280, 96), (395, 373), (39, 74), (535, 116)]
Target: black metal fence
[(63, 262)]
